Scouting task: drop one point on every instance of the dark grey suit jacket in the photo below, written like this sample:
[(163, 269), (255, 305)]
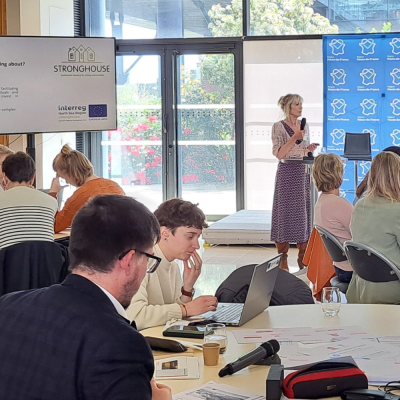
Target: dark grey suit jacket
[(68, 342)]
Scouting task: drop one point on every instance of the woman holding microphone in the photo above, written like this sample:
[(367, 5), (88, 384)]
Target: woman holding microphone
[(291, 207)]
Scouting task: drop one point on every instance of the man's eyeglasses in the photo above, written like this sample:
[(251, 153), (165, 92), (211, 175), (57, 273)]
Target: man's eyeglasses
[(152, 261)]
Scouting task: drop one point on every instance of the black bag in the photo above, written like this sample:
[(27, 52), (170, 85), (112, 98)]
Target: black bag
[(288, 288)]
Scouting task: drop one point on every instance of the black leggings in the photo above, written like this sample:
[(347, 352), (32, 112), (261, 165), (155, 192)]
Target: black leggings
[(344, 276)]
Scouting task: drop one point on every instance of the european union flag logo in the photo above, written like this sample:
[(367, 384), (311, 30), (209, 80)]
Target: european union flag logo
[(97, 110)]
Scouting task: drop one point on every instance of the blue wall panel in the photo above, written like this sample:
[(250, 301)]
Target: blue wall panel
[(361, 94)]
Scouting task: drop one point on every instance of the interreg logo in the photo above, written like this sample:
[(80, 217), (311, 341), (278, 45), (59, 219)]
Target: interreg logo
[(83, 60), (395, 74), (368, 106), (395, 43), (395, 137), (337, 46), (338, 136), (368, 76), (367, 46), (339, 106), (365, 165), (338, 76), (395, 104), (97, 110), (372, 135)]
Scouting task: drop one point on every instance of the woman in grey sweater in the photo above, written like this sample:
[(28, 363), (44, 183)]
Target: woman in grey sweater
[(376, 223)]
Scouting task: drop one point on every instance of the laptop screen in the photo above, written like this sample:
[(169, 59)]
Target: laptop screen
[(358, 146)]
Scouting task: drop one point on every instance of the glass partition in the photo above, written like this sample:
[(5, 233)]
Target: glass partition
[(132, 155), (302, 17), (206, 131), (272, 69), (149, 19)]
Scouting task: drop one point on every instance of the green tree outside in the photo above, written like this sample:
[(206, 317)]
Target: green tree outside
[(270, 17)]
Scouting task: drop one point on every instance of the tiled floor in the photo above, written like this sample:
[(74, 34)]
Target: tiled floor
[(220, 260)]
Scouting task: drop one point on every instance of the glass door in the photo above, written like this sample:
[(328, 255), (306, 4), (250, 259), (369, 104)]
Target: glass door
[(132, 155), (205, 126), (177, 125)]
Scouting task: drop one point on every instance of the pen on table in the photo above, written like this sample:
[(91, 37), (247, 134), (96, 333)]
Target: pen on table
[(252, 337)]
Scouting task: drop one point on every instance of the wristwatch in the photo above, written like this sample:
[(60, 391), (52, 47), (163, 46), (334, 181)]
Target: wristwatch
[(186, 293)]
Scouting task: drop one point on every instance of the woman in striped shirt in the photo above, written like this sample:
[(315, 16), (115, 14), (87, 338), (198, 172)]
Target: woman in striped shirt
[(26, 214)]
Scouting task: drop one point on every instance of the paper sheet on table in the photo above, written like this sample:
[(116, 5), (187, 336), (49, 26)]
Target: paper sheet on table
[(394, 340), (366, 350), (305, 335), (214, 391), (345, 332), (380, 372), (177, 368), (293, 354)]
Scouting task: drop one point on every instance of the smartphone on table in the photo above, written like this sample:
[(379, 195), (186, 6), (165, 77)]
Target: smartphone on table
[(194, 332)]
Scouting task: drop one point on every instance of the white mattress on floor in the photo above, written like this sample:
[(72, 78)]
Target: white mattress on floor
[(243, 227)]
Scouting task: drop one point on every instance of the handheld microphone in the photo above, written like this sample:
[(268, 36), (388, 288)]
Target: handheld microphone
[(265, 350), (302, 126)]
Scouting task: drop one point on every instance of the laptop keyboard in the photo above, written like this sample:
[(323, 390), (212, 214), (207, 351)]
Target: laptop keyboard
[(230, 313)]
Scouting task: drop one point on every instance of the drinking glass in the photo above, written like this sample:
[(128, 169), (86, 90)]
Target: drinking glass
[(216, 333), (330, 301)]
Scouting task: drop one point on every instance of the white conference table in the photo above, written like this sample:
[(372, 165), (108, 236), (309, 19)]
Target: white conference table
[(379, 320)]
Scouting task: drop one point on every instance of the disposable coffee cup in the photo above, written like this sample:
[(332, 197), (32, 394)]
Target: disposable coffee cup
[(211, 354)]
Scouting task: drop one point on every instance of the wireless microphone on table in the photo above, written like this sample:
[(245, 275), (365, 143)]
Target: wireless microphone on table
[(302, 126), (265, 350)]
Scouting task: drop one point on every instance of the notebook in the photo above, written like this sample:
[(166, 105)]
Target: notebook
[(357, 146), (258, 297)]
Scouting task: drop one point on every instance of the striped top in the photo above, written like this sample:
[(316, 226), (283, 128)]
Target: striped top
[(26, 214)]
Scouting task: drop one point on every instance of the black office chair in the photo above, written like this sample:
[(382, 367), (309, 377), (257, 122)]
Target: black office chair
[(32, 265), (336, 253), (369, 264)]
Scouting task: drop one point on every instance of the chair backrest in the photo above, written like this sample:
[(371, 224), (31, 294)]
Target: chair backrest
[(332, 245), (32, 265), (288, 288), (369, 264)]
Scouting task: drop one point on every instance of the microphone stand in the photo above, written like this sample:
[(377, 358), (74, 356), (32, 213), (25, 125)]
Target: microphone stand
[(274, 359)]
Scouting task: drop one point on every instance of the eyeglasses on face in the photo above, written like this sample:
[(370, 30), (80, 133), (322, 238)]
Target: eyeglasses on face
[(152, 261)]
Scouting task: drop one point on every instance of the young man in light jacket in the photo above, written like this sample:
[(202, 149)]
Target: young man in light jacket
[(164, 294)]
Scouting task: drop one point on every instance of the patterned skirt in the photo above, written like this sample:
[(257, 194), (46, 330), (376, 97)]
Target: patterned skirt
[(291, 209)]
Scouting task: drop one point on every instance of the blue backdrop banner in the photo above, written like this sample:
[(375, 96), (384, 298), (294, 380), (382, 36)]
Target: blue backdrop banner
[(361, 94)]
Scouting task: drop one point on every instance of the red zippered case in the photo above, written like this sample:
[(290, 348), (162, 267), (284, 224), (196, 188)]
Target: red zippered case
[(324, 379)]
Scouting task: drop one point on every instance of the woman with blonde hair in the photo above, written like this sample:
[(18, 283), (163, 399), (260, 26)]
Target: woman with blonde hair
[(332, 212), (77, 170), (376, 223), (362, 187), (291, 218), (4, 152)]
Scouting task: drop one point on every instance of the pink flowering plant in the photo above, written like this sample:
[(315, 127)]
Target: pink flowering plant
[(140, 163), (199, 162)]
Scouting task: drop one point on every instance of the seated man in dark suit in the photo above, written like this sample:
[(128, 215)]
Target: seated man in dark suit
[(72, 340)]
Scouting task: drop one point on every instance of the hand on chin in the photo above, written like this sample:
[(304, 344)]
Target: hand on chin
[(185, 256)]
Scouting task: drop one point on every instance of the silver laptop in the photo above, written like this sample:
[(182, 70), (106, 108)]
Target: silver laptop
[(258, 297)]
